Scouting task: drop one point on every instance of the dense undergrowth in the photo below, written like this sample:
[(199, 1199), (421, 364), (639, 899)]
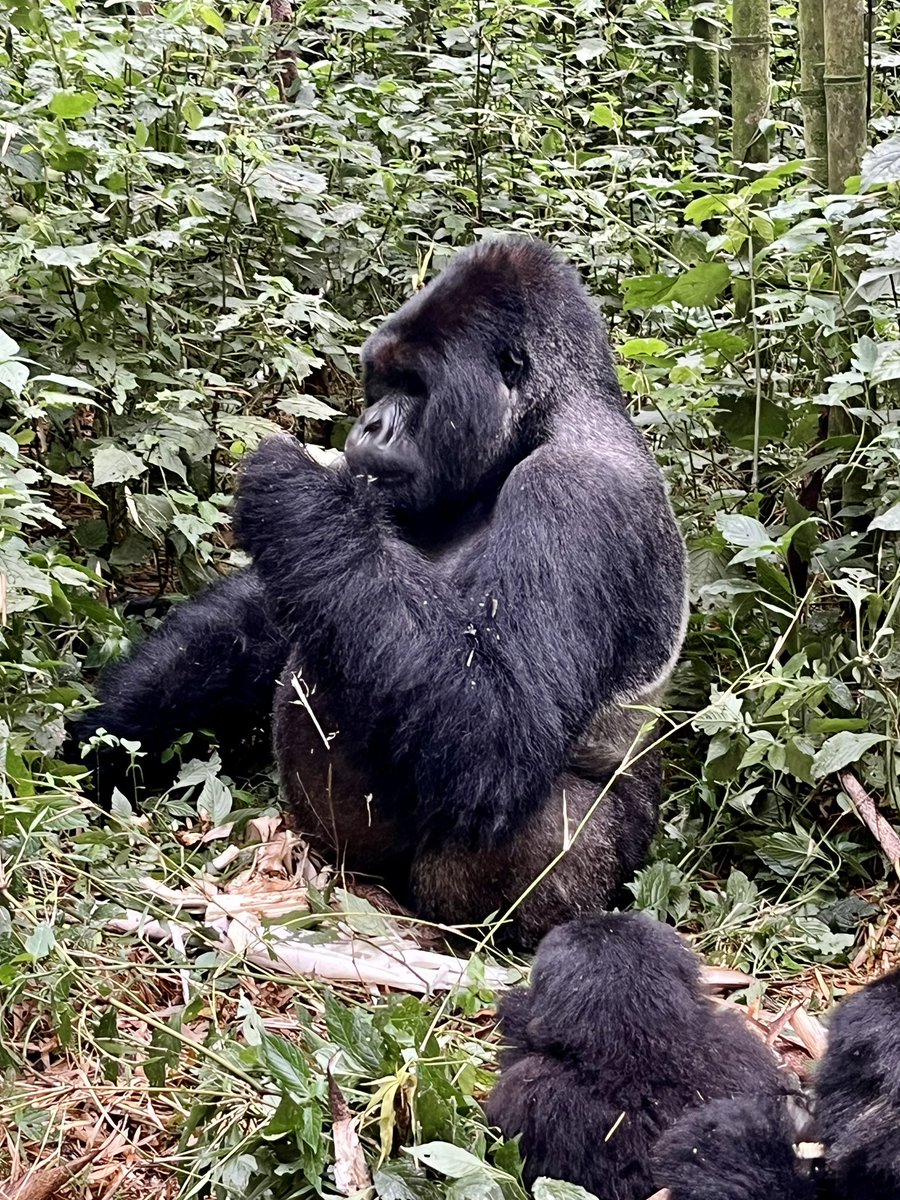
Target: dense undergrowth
[(202, 216)]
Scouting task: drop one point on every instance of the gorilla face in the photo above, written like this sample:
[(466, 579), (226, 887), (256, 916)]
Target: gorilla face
[(454, 397)]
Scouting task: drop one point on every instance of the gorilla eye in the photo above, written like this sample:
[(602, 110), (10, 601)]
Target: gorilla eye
[(512, 365)]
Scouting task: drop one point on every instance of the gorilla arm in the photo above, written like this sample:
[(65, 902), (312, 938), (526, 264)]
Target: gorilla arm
[(212, 664), (484, 681)]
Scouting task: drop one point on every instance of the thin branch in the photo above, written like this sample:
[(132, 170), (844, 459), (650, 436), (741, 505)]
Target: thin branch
[(884, 833)]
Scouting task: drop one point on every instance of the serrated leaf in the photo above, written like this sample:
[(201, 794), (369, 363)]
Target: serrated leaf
[(69, 105), (739, 530), (13, 376), (68, 256), (112, 465), (842, 750), (700, 286), (287, 1065), (889, 520), (881, 164)]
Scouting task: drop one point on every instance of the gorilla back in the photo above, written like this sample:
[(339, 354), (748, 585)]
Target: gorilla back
[(471, 600)]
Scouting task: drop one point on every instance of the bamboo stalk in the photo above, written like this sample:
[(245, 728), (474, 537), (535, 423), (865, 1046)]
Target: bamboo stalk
[(704, 67), (704, 61), (845, 88), (812, 88), (750, 80)]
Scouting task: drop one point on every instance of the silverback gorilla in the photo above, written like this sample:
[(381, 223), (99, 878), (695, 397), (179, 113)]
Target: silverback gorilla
[(457, 615)]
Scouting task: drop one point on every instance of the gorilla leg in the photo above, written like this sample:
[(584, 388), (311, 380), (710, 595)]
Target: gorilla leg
[(464, 886), (211, 665)]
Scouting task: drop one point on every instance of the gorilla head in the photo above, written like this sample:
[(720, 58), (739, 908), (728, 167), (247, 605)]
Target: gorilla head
[(591, 953), (460, 383)]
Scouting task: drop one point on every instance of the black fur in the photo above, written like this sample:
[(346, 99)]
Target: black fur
[(211, 665), (611, 1044), (470, 598), (740, 1149), (858, 1093)]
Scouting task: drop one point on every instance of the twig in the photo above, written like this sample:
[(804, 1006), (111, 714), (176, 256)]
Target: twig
[(41, 1183), (351, 1175), (883, 832)]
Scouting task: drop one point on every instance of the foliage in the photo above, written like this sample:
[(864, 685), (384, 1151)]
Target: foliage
[(194, 243)]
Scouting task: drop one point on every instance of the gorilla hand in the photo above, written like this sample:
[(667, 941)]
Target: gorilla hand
[(279, 472)]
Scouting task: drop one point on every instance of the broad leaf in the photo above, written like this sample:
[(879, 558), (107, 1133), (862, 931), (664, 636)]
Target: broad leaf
[(881, 164), (842, 750), (70, 105), (555, 1189), (112, 465), (68, 256), (890, 519)]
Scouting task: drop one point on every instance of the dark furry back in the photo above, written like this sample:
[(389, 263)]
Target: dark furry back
[(611, 1044), (858, 1094)]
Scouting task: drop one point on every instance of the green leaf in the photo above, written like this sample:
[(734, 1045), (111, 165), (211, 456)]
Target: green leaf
[(13, 376), (889, 520), (696, 288), (70, 105), (700, 286), (211, 18), (447, 1159), (402, 1181), (68, 256), (605, 117), (881, 164), (704, 207), (842, 750), (739, 530), (643, 348), (287, 1065), (112, 465), (555, 1189), (41, 940), (646, 291)]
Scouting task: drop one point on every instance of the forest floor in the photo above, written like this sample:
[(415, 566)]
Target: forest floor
[(169, 1001)]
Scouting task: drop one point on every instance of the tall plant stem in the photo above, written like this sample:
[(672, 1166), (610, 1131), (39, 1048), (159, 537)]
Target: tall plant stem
[(751, 80), (812, 88), (845, 88), (704, 64)]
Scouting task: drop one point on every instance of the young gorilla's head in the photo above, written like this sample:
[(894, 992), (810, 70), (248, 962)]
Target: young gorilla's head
[(598, 980), (469, 376)]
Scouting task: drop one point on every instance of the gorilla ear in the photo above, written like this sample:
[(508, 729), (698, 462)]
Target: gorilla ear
[(513, 365)]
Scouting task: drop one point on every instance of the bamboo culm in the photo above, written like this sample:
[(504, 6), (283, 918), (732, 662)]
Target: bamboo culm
[(812, 88), (750, 80)]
